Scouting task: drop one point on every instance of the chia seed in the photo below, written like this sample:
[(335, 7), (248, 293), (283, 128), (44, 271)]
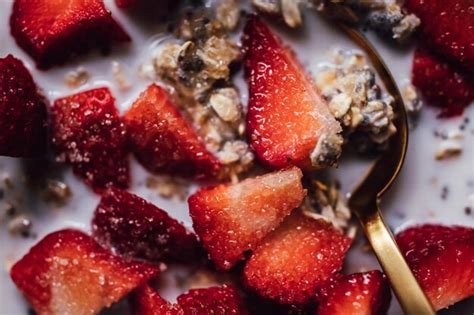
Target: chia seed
[(467, 210), (444, 192)]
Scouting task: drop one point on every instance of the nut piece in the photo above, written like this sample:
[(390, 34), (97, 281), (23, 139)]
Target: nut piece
[(228, 14), (119, 76), (226, 104), (448, 149), (327, 150), (76, 78), (20, 225)]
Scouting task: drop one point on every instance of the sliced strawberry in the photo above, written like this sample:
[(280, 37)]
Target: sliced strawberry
[(136, 228), (447, 27), (359, 293), (442, 259), (232, 219), (441, 84), (164, 141), (69, 273), (286, 114), (88, 133), (147, 301), (295, 259), (215, 300), (52, 31), (23, 113)]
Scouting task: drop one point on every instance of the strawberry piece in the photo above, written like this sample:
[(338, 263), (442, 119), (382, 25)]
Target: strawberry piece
[(232, 219), (52, 31), (358, 293), (286, 114), (164, 141), (23, 113), (136, 228), (447, 27), (442, 259), (442, 84), (67, 272), (89, 134), (125, 4), (295, 259), (147, 301), (215, 300)]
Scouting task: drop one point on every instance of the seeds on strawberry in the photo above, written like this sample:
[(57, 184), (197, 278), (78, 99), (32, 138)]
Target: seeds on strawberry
[(164, 141), (232, 219), (358, 293), (89, 134), (23, 113), (51, 32), (291, 262), (136, 228), (287, 117), (67, 272)]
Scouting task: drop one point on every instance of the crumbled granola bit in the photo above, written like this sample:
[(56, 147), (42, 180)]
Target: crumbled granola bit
[(169, 187), (327, 150), (326, 202), (56, 192), (228, 14), (288, 9), (355, 99), (451, 144), (7, 181), (226, 103), (413, 103), (76, 78), (8, 209), (20, 225), (119, 76)]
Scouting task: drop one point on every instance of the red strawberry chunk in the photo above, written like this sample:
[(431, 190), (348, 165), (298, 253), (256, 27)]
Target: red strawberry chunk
[(295, 259), (53, 31), (223, 300), (357, 294), (67, 272), (136, 228), (23, 113), (164, 141), (126, 3), (441, 84), (89, 134), (442, 259), (232, 219), (447, 26), (286, 114)]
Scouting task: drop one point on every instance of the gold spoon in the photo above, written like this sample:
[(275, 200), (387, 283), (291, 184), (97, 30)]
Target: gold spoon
[(365, 199)]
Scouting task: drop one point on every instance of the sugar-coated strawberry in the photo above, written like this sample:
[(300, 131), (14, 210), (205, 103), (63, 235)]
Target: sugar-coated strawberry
[(164, 141), (53, 31), (357, 294), (442, 85), (442, 259), (290, 263), (223, 300), (215, 300), (89, 134), (23, 113), (67, 272), (136, 228), (286, 114), (147, 301), (232, 219), (447, 28)]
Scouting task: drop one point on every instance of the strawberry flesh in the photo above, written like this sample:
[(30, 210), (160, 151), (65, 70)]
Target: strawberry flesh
[(442, 85), (53, 31), (67, 272), (442, 259), (89, 134), (447, 27), (359, 293), (138, 229), (286, 114), (214, 300), (295, 259), (164, 141), (232, 219), (23, 112)]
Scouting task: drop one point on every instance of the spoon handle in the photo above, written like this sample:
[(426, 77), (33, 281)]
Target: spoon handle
[(404, 284)]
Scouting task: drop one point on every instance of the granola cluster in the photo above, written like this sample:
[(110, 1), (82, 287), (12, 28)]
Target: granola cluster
[(355, 100), (199, 67)]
